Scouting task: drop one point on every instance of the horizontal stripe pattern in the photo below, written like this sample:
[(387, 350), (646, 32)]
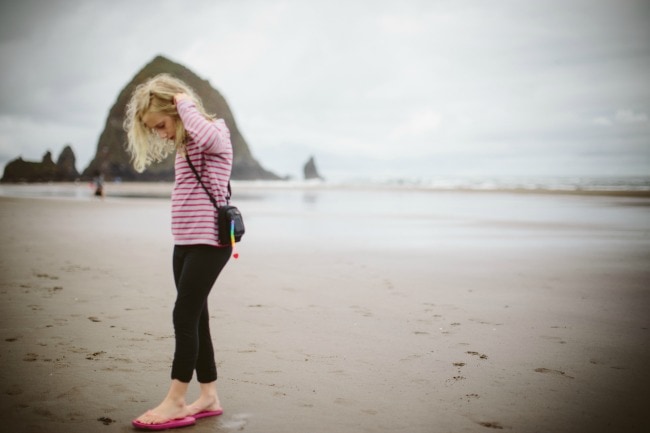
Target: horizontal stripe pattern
[(210, 150)]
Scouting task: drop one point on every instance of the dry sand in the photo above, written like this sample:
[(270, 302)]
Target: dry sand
[(533, 328)]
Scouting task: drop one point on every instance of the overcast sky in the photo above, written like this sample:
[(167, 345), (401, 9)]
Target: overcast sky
[(370, 88)]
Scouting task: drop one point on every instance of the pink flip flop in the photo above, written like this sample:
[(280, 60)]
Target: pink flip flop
[(174, 423), (207, 413)]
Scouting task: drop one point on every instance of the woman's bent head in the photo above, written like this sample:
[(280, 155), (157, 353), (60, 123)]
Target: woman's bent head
[(153, 127)]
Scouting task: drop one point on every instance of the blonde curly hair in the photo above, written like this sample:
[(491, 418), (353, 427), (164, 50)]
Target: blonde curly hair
[(156, 95)]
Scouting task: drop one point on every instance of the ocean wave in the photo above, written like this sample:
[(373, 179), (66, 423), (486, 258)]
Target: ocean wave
[(589, 185)]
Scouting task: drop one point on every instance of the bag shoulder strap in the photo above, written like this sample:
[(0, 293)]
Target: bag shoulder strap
[(196, 173)]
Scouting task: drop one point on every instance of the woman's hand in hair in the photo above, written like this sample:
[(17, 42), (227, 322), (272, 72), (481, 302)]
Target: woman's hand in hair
[(180, 97)]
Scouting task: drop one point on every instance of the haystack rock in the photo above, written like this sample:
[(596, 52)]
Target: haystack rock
[(112, 160)]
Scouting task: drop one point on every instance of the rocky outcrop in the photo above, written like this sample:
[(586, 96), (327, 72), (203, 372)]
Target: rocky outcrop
[(310, 170), (112, 160), (63, 170), (66, 169)]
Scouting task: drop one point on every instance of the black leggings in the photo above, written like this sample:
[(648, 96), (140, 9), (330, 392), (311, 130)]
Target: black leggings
[(196, 268)]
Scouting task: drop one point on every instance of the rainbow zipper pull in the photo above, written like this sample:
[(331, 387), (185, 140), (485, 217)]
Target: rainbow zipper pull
[(232, 239)]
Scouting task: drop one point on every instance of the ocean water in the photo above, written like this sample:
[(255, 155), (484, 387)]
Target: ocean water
[(566, 183), (418, 217), (398, 215)]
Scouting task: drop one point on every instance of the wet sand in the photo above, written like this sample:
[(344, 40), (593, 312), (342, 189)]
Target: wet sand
[(508, 326)]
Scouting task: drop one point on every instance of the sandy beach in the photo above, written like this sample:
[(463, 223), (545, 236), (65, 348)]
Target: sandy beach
[(461, 319)]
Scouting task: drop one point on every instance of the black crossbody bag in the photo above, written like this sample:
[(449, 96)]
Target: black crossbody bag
[(230, 222)]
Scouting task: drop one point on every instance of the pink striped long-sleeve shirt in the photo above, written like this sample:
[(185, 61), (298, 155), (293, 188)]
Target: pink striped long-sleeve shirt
[(210, 150)]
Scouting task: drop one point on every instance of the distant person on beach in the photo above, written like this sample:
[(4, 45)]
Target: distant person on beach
[(164, 116), (98, 181)]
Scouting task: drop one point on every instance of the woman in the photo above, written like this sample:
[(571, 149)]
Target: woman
[(164, 115)]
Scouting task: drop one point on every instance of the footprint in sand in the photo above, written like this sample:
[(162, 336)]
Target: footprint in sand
[(491, 424), (361, 310), (106, 420), (94, 356), (343, 401), (558, 372), (74, 268), (480, 355), (455, 379), (30, 357), (553, 338), (388, 284), (369, 411), (50, 277)]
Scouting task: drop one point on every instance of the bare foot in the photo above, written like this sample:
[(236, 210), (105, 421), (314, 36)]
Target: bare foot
[(204, 403), (166, 411)]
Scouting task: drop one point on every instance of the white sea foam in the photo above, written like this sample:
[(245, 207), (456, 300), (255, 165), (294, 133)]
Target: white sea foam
[(630, 183), (82, 190)]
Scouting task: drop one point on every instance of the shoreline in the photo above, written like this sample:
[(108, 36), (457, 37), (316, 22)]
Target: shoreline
[(163, 189)]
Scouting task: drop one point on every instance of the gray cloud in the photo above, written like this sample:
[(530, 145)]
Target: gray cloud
[(470, 83)]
